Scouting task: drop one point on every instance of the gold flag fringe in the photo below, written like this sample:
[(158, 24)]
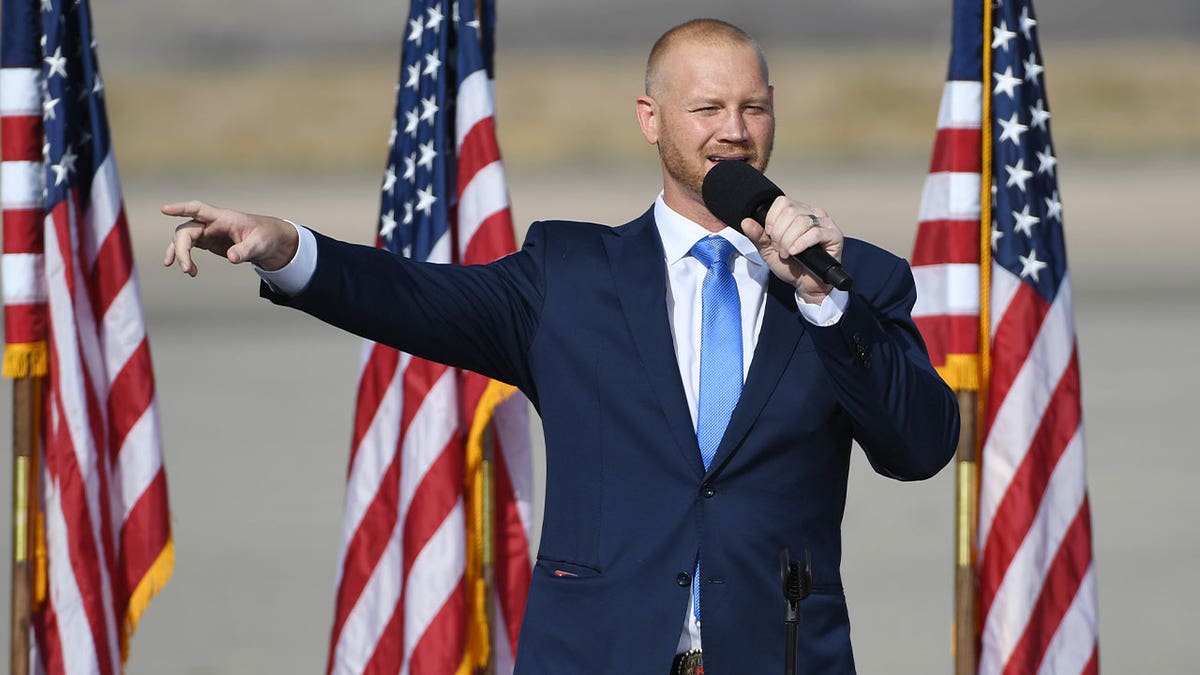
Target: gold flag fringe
[(478, 631), (25, 359), (155, 578)]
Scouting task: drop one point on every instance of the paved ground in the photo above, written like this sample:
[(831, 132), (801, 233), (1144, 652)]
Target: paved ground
[(256, 405)]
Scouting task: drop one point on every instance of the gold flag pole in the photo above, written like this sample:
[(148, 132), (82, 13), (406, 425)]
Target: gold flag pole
[(966, 656), (489, 548), (24, 491), (970, 403), (479, 495)]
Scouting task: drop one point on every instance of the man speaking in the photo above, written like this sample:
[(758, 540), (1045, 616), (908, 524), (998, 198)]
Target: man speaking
[(699, 387)]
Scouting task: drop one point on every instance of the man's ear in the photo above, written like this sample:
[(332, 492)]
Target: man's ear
[(647, 114)]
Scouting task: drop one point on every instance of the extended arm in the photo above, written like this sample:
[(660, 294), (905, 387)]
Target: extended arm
[(479, 317)]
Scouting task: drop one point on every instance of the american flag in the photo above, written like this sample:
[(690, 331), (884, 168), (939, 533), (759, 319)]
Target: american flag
[(1037, 587), (72, 312), (945, 260), (411, 596)]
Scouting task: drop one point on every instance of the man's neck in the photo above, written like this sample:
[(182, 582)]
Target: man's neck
[(691, 207)]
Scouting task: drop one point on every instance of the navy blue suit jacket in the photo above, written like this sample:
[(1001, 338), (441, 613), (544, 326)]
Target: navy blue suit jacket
[(578, 320)]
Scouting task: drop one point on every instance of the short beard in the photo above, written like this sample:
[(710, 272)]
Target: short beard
[(678, 168)]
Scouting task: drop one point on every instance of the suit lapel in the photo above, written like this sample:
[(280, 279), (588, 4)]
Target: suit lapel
[(781, 331), (635, 256)]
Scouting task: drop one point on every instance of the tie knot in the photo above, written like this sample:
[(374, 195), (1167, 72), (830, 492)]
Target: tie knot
[(714, 249)]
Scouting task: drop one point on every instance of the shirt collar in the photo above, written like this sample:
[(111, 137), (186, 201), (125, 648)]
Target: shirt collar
[(679, 234)]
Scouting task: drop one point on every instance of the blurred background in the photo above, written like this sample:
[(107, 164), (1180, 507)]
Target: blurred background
[(284, 107)]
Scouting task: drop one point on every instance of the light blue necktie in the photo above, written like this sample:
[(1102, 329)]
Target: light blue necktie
[(720, 354)]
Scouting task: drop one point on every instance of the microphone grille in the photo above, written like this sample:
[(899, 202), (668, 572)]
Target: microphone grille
[(735, 190)]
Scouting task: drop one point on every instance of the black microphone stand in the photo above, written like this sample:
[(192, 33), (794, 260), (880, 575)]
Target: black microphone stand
[(797, 585)]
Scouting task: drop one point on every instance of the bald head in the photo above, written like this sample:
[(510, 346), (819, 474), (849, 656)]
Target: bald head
[(699, 32), (707, 100)]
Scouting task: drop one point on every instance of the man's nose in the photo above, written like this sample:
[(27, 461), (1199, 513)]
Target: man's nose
[(734, 128)]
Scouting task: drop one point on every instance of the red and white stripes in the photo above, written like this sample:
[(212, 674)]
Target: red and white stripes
[(403, 509), (23, 262), (403, 596), (946, 254), (105, 496), (70, 285), (1037, 583), (1037, 593)]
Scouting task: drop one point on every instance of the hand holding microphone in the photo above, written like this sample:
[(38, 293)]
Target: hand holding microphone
[(799, 243)]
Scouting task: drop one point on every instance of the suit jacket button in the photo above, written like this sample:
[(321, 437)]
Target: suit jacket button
[(708, 490), (683, 579)]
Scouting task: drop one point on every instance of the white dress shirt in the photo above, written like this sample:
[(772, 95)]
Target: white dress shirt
[(685, 275)]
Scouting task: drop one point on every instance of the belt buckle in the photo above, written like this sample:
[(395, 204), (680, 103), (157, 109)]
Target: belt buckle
[(689, 663)]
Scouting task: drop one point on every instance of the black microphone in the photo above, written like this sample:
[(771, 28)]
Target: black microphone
[(734, 190), (797, 582)]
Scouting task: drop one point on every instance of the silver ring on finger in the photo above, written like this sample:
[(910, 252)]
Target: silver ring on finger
[(816, 221)]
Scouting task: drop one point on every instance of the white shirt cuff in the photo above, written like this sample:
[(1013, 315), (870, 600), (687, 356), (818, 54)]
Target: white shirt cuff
[(294, 276), (829, 312)]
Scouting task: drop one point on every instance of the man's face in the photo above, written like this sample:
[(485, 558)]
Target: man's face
[(709, 104)]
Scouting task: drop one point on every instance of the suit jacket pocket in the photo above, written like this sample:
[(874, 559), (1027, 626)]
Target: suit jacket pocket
[(564, 569)]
